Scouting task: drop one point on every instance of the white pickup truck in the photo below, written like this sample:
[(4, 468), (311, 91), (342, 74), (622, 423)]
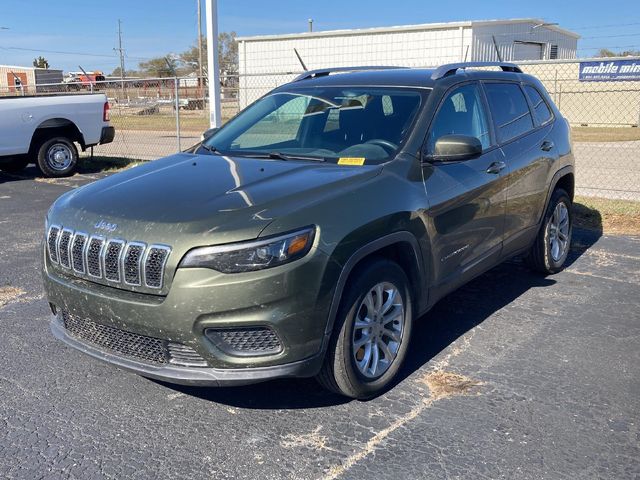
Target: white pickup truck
[(45, 130)]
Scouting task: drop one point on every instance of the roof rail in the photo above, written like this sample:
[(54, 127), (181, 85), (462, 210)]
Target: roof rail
[(323, 72), (451, 68)]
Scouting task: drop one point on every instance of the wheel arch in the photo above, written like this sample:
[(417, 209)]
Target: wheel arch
[(56, 127), (563, 178), (401, 247)]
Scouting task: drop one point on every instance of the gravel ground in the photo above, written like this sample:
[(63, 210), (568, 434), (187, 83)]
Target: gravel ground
[(513, 376)]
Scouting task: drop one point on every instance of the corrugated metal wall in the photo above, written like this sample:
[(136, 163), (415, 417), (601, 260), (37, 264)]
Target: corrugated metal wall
[(508, 37)]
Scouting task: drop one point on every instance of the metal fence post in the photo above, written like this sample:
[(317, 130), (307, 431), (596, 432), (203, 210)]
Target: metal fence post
[(177, 103)]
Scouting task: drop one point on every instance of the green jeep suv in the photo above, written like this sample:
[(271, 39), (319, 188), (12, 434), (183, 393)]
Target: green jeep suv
[(306, 236)]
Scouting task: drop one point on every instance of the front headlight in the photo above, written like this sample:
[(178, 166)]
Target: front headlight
[(252, 255)]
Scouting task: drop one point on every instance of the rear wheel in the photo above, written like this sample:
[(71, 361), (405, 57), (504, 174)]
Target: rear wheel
[(14, 164), (371, 333), (551, 248), (57, 157)]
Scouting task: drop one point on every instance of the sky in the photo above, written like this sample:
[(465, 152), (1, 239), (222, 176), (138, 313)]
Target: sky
[(85, 31)]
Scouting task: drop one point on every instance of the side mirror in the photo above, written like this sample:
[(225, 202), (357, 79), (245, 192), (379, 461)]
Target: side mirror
[(454, 148), (208, 133)]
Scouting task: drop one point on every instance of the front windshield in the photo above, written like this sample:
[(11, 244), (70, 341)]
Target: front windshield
[(327, 123)]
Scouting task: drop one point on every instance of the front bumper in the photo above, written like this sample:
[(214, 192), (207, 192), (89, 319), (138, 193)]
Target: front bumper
[(191, 375), (293, 300)]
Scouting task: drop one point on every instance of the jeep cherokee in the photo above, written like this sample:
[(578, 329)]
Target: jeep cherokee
[(305, 236)]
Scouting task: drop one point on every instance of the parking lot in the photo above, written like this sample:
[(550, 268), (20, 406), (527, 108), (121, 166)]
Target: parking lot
[(514, 376)]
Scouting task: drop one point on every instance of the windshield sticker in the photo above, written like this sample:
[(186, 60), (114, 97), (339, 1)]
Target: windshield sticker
[(351, 161)]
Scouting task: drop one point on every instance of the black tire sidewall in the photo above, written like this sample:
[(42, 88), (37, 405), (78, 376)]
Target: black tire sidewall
[(550, 264), (356, 384), (42, 157)]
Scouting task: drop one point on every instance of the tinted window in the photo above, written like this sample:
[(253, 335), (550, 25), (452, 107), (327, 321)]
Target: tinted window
[(509, 109), (540, 107), (461, 113)]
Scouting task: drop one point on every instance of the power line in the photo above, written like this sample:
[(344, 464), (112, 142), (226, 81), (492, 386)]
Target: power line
[(60, 52)]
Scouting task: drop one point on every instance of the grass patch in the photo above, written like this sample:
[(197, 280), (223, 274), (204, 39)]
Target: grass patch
[(605, 134), (106, 164), (617, 217)]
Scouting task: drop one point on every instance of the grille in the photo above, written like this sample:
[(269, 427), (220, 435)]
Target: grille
[(132, 345), (183, 355), (245, 341), (52, 240), (77, 252), (94, 250), (124, 343), (132, 259), (63, 248), (154, 266), (114, 260)]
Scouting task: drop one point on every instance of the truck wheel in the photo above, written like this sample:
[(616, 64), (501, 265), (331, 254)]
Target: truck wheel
[(371, 333), (550, 250), (14, 164), (57, 157)]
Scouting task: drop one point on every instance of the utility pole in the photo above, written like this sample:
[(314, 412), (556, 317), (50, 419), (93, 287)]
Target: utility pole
[(213, 69), (121, 52), (200, 77)]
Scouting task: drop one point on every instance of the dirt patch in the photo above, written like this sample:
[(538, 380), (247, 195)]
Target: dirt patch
[(447, 384), (9, 294), (613, 217), (605, 134), (311, 440)]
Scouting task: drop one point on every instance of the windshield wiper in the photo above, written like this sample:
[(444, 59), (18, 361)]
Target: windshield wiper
[(210, 148), (288, 156)]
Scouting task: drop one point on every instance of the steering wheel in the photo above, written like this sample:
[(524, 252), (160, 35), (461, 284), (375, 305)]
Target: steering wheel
[(386, 144)]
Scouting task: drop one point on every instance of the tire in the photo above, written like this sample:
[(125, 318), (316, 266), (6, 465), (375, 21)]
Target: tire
[(14, 164), (549, 251), (57, 157), (341, 372)]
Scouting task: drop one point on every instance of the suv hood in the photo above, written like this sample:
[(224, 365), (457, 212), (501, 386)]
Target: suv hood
[(201, 199)]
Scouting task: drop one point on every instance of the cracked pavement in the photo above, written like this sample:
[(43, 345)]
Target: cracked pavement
[(513, 376)]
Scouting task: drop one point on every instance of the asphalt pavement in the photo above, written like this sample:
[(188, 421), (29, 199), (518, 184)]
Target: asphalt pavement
[(513, 376)]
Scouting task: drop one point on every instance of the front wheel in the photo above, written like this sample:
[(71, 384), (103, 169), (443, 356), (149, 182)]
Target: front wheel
[(57, 157), (371, 333), (551, 248)]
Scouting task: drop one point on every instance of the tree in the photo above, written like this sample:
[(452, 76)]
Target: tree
[(160, 67), (127, 73), (227, 54), (605, 52), (40, 62)]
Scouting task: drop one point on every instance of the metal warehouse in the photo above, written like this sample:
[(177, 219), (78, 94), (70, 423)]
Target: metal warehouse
[(265, 60), (14, 79)]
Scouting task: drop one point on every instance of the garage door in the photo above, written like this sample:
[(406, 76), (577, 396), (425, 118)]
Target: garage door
[(527, 51)]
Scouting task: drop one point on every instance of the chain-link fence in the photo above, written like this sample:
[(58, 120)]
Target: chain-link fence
[(157, 117)]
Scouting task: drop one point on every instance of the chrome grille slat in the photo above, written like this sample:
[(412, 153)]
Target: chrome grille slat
[(93, 256), (52, 242), (64, 245), (154, 263), (131, 261), (112, 260), (77, 252)]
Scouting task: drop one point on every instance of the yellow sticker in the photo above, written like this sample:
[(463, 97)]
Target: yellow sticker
[(351, 161)]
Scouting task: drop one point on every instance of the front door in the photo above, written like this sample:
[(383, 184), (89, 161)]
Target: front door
[(467, 199)]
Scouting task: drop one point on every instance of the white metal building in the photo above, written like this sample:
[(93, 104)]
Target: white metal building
[(265, 60), (15, 78)]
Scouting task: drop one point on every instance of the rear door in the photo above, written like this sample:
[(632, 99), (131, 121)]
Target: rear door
[(467, 199), (529, 154)]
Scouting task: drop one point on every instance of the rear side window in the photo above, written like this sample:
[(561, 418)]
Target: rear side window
[(510, 110), (540, 108)]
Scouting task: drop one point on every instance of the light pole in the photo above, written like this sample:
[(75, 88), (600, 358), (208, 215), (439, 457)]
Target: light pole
[(213, 70)]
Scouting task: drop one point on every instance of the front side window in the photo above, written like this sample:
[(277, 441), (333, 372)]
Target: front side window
[(540, 108), (461, 113), (324, 123), (510, 110)]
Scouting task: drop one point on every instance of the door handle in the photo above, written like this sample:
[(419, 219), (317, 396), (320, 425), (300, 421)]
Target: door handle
[(496, 167), (546, 145)]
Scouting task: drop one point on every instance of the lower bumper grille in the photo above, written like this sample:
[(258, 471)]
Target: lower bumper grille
[(247, 341), (139, 347)]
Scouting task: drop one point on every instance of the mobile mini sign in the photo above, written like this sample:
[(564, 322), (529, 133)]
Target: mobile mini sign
[(614, 70)]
